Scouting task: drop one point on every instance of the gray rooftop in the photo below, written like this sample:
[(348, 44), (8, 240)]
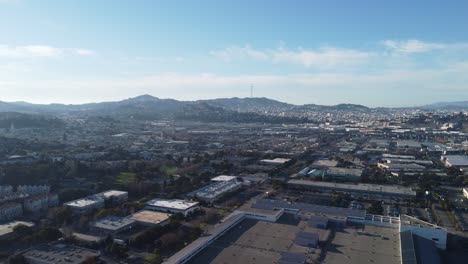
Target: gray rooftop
[(59, 253), (113, 223), (364, 188)]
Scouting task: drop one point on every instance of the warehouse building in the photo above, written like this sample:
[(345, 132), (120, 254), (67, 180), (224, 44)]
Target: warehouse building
[(216, 190), (358, 189)]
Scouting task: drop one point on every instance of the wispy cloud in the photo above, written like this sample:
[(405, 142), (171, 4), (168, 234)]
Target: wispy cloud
[(321, 58), (32, 51), (8, 1), (393, 87), (412, 46)]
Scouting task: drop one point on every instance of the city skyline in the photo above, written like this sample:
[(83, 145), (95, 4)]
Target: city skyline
[(374, 54)]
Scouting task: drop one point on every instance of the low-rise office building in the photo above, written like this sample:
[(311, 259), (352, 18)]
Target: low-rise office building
[(116, 196), (85, 205), (112, 225), (96, 201), (174, 206)]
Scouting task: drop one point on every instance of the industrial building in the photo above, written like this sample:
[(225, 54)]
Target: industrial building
[(174, 206), (112, 225), (216, 190), (341, 174), (404, 167), (60, 253), (358, 189), (150, 218), (257, 239)]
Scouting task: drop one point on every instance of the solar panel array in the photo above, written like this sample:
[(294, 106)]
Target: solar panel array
[(408, 254), (306, 239), (292, 258)]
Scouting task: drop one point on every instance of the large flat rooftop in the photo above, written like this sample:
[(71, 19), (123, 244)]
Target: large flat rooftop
[(112, 193), (253, 241), (172, 204), (87, 201), (150, 217), (363, 244), (364, 188)]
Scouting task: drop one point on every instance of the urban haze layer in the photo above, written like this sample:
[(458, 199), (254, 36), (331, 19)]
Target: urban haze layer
[(236, 180)]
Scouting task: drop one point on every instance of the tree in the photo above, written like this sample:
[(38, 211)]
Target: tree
[(62, 215), (22, 230), (154, 258), (375, 208), (49, 234)]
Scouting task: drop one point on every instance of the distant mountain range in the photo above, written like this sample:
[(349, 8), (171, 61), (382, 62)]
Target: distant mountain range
[(446, 105), (147, 107), (149, 102)]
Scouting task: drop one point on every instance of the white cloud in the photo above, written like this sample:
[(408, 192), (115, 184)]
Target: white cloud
[(83, 52), (33, 51), (412, 46), (320, 58)]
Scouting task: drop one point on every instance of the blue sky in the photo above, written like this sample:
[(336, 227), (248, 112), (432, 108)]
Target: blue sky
[(376, 53)]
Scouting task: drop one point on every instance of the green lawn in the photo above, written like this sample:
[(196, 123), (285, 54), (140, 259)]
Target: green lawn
[(125, 178)]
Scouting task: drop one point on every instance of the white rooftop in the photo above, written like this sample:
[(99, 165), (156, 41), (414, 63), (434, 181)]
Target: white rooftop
[(224, 178), (112, 193), (275, 161), (83, 202), (172, 204)]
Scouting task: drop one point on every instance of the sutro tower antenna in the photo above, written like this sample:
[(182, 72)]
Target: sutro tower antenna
[(251, 91)]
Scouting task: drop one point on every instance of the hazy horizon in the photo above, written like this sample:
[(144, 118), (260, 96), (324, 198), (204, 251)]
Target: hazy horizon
[(75, 52)]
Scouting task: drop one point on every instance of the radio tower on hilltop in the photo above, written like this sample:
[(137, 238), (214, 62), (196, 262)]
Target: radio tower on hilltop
[(251, 91)]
